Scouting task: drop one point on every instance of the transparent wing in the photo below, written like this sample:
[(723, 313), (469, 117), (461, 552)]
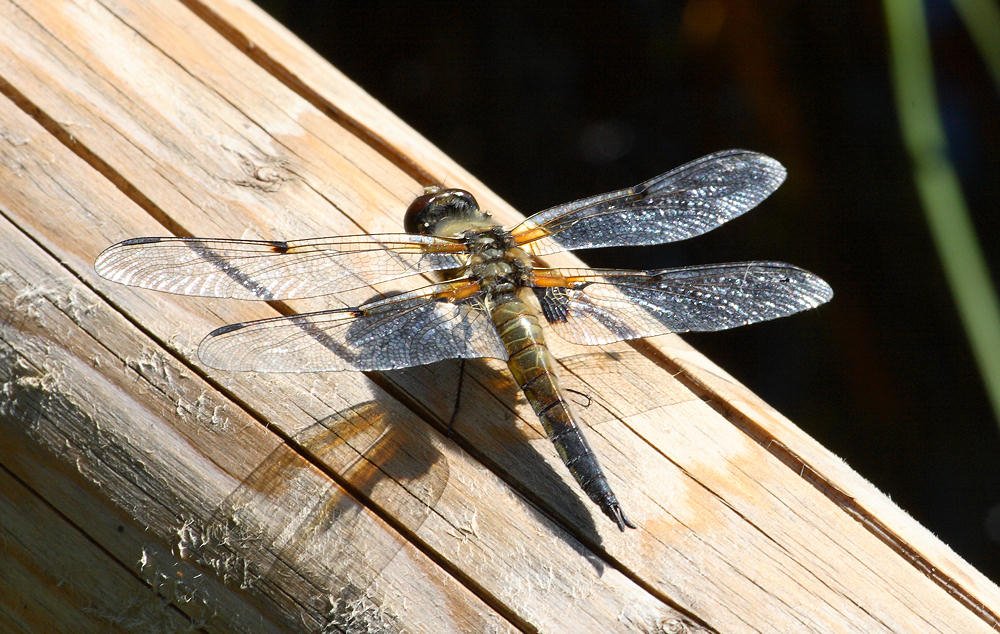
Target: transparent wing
[(602, 306), (404, 330), (683, 203), (262, 269)]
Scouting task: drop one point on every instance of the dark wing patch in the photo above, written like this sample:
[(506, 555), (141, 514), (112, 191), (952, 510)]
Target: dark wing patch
[(553, 309)]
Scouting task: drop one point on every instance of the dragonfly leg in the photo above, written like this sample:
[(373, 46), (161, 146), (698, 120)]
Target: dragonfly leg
[(587, 398)]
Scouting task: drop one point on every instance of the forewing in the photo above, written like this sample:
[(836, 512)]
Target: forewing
[(683, 203), (396, 332), (602, 306), (261, 269)]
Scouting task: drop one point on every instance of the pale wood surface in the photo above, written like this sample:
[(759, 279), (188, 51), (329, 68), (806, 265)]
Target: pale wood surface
[(249, 502)]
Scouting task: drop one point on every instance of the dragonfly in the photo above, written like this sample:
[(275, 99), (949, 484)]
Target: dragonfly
[(492, 295)]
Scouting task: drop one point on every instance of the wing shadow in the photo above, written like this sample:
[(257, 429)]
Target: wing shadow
[(498, 442), (287, 525)]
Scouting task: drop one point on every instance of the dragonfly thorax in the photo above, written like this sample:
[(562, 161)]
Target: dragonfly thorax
[(500, 267)]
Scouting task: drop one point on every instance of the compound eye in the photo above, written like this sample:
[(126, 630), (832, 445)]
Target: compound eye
[(462, 201), (413, 220)]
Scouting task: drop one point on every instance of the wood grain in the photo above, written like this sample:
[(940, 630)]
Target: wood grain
[(283, 501)]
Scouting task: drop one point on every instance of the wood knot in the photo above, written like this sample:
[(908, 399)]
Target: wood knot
[(263, 173)]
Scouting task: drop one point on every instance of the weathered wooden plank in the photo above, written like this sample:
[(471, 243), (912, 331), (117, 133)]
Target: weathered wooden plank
[(437, 487), (732, 536)]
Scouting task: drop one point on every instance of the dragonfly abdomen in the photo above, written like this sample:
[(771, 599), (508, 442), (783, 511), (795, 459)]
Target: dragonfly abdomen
[(533, 369)]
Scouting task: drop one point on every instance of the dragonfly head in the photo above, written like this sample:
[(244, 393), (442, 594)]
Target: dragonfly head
[(432, 212)]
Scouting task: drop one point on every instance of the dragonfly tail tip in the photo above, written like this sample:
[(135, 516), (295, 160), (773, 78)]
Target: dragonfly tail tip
[(615, 512)]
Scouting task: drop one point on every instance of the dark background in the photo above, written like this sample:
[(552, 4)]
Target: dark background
[(550, 105)]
